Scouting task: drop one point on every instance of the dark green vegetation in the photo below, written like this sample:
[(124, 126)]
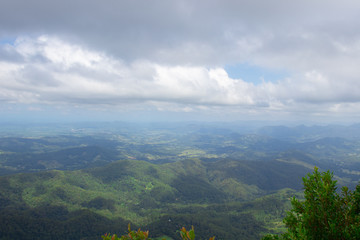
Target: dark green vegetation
[(324, 214), (161, 198), (225, 181)]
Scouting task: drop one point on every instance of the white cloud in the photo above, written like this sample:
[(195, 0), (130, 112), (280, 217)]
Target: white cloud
[(54, 71)]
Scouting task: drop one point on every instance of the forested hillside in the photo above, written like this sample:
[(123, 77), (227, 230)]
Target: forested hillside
[(223, 182), (160, 197)]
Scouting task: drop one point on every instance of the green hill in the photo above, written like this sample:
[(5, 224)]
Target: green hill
[(209, 195)]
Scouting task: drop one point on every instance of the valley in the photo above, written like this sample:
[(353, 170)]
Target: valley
[(234, 182)]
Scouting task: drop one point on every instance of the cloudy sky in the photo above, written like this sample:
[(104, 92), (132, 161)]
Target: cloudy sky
[(180, 59)]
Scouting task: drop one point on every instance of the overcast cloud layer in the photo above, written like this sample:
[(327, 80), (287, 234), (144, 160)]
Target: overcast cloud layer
[(171, 56)]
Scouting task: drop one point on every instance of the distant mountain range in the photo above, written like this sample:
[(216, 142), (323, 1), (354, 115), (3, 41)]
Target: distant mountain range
[(304, 133)]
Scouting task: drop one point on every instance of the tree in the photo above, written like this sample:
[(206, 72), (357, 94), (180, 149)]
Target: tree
[(324, 214)]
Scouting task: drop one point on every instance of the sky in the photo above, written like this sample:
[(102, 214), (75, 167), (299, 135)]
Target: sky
[(213, 60)]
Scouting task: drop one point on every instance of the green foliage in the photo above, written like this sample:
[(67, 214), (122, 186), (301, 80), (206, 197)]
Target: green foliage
[(141, 235), (132, 235), (189, 235), (324, 214), (49, 222)]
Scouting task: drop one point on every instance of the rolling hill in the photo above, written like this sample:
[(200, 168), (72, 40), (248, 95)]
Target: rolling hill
[(148, 195)]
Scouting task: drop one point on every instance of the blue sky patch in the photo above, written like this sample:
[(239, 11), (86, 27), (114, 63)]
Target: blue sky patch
[(254, 74), (10, 41)]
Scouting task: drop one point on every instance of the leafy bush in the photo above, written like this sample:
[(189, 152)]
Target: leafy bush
[(132, 235), (324, 214), (189, 235)]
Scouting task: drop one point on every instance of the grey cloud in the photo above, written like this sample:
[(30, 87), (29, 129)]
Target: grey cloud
[(150, 29), (37, 77), (7, 54)]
